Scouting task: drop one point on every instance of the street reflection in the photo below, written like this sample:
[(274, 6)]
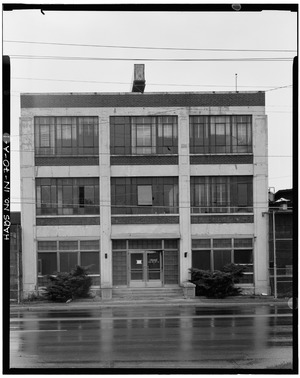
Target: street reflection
[(171, 333)]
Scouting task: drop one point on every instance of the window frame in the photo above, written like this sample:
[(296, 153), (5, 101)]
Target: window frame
[(58, 251), (216, 200), (72, 146), (61, 205), (231, 247), (124, 195), (208, 142), (124, 135)]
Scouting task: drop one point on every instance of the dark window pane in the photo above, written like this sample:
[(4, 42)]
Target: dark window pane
[(221, 258), (68, 261), (136, 275), (47, 263), (201, 260), (242, 195), (243, 257), (246, 279), (119, 267), (91, 258), (118, 244), (145, 244), (171, 244)]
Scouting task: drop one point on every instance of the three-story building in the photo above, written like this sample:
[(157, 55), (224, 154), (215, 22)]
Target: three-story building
[(144, 186)]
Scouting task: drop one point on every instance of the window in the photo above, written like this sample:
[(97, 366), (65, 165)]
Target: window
[(143, 135), (144, 195), (214, 254), (222, 194), (63, 256), (66, 136), (67, 196), (220, 134)]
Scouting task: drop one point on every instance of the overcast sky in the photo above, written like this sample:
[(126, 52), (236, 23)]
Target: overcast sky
[(264, 31)]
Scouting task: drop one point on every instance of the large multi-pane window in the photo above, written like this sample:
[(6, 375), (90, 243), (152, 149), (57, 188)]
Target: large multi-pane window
[(67, 196), (143, 135), (221, 194), (63, 256), (144, 195), (66, 136), (214, 254), (221, 134)]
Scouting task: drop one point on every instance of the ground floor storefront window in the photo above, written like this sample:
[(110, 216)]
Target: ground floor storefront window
[(145, 262), (55, 256), (213, 254)]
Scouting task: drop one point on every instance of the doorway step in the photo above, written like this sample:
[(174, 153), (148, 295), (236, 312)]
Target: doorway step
[(147, 293)]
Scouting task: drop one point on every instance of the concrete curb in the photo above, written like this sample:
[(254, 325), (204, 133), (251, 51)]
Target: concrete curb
[(94, 304)]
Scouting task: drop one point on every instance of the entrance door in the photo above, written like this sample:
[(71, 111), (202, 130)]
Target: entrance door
[(145, 269)]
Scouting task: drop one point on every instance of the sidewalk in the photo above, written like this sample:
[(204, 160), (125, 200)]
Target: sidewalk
[(97, 302)]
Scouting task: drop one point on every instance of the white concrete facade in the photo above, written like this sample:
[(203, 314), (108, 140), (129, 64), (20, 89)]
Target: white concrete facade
[(185, 231)]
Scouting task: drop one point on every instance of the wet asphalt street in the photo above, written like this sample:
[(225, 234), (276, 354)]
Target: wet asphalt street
[(231, 337)]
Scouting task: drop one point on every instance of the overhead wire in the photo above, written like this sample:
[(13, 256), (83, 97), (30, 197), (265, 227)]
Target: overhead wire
[(148, 47), (79, 58), (272, 87)]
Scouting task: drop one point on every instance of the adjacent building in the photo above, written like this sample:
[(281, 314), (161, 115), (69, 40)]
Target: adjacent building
[(282, 260), (15, 257), (144, 186)]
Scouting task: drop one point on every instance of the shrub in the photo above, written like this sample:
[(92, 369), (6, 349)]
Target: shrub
[(64, 286), (237, 271), (217, 284)]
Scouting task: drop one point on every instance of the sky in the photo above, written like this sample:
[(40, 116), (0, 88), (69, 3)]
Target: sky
[(100, 37)]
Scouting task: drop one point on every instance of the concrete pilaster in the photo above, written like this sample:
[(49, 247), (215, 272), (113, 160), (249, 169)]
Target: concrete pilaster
[(184, 196), (105, 211), (260, 204), (29, 256)]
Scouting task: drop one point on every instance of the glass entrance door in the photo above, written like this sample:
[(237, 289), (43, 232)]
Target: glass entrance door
[(145, 269)]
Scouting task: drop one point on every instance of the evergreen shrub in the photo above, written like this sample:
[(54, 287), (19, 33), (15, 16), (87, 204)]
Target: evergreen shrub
[(72, 285), (218, 283)]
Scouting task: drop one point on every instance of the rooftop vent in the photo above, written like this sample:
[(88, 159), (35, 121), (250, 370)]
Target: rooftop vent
[(139, 82)]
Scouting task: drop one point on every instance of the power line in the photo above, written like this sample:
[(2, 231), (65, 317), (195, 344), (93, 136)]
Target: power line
[(165, 84), (149, 47), (79, 58)]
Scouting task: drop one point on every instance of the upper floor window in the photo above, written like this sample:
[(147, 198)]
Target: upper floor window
[(144, 195), (222, 194), (67, 196), (66, 135), (143, 135), (221, 134)]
